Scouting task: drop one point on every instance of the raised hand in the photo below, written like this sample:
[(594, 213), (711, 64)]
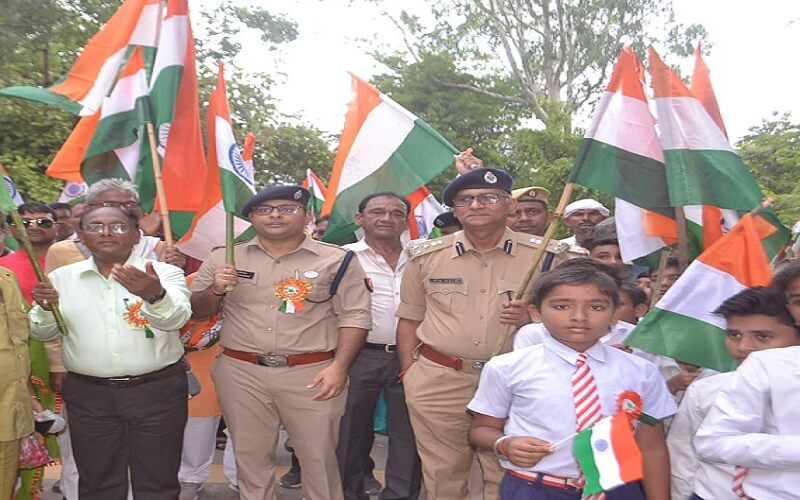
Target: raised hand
[(145, 283)]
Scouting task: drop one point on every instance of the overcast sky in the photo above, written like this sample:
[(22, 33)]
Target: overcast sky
[(753, 61)]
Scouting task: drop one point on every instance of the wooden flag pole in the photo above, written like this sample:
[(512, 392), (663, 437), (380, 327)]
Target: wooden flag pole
[(537, 258), (22, 236), (662, 264), (162, 197), (229, 239), (683, 240)]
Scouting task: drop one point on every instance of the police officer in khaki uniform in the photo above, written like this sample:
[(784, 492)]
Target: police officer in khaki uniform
[(531, 215), (287, 342), (455, 303)]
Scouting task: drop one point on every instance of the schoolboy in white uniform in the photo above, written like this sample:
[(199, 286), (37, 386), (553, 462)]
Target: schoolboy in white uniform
[(756, 320), (524, 402)]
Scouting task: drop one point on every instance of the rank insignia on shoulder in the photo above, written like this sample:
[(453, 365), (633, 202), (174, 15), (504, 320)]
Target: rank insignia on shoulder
[(418, 247)]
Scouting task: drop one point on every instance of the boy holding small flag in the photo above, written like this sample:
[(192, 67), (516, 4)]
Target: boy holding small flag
[(531, 402)]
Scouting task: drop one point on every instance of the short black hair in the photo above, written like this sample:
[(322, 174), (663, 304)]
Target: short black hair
[(616, 272), (783, 280), (636, 294), (765, 300), (672, 262), (128, 212), (593, 243), (61, 205), (583, 272), (363, 204), (33, 208)]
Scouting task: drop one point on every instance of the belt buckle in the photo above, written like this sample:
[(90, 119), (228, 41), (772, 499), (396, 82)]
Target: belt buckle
[(476, 365), (389, 347), (273, 360)]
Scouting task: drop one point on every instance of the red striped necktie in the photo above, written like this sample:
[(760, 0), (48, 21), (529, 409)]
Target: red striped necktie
[(739, 473), (587, 401)]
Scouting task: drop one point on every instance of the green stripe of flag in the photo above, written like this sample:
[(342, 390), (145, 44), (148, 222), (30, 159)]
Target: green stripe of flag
[(582, 448)]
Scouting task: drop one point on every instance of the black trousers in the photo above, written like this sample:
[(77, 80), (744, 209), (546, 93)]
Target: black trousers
[(373, 371), (137, 428)]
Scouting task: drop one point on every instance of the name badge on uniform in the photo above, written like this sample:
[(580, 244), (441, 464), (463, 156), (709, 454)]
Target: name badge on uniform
[(446, 281), (248, 275)]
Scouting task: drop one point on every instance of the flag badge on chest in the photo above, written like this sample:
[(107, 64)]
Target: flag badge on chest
[(292, 292)]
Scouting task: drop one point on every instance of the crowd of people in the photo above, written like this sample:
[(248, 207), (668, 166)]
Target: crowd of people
[(297, 334)]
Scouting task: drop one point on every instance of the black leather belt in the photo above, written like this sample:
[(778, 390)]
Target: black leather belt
[(380, 347), (129, 380)]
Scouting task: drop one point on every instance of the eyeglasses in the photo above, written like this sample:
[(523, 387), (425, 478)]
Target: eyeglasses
[(42, 223), (483, 199), (282, 209), (113, 228), (115, 204)]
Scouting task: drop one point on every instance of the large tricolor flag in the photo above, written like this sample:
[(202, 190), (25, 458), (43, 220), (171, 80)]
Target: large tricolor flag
[(608, 455), (229, 183), (702, 166), (140, 66), (682, 325), (383, 147), (318, 191), (621, 155)]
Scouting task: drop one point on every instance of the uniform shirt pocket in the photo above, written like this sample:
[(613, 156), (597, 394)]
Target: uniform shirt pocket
[(447, 293)]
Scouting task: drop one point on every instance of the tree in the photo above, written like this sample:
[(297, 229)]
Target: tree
[(772, 151), (558, 53)]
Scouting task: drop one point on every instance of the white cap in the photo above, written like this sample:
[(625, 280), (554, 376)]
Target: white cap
[(585, 204)]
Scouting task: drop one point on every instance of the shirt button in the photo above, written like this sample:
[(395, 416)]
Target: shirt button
[(272, 307), (480, 317), (277, 262), (485, 264), (477, 343), (483, 290), (269, 329)]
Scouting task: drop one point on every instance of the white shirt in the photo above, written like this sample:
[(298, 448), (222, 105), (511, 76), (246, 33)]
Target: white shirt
[(106, 338), (755, 423), (385, 290), (689, 473), (532, 389), (535, 333)]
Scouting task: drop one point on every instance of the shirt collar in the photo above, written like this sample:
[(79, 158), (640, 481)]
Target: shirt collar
[(308, 244), (362, 246), (507, 244), (89, 264), (570, 355)]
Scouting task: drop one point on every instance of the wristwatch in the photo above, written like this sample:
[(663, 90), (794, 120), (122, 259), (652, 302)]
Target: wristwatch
[(158, 297)]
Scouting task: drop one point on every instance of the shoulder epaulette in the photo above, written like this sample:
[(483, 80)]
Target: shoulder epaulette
[(554, 246), (331, 245), (420, 247)]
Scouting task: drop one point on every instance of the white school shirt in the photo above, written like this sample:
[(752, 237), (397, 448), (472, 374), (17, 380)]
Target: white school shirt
[(385, 290), (532, 389), (535, 333), (755, 423), (689, 473)]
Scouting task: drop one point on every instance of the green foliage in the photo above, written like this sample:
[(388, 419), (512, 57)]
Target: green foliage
[(772, 151), (287, 151), (556, 54), (31, 183)]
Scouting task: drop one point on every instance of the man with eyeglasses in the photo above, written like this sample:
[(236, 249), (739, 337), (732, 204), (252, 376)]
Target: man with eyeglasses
[(39, 222), (126, 388), (288, 341), (456, 301)]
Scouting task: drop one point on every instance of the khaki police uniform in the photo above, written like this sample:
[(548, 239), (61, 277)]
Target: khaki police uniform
[(255, 399), (457, 292)]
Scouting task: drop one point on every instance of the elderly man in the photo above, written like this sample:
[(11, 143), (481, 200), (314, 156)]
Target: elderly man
[(531, 215), (455, 303), (126, 387), (383, 217), (288, 340), (582, 216)]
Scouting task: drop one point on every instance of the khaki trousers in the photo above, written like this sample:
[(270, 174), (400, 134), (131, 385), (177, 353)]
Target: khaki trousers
[(437, 399), (255, 400), (9, 458)]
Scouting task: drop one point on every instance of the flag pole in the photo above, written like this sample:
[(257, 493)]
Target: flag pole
[(162, 197), (662, 264), (683, 239), (537, 258), (22, 236), (229, 239)]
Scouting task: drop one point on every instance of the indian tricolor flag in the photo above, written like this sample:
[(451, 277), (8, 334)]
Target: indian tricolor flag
[(424, 208), (383, 147), (95, 71), (682, 325), (607, 454), (318, 191), (229, 183), (621, 155)]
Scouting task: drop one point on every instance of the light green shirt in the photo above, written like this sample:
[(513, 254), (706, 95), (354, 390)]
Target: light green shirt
[(113, 332)]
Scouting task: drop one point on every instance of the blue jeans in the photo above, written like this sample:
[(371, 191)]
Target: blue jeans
[(516, 488)]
